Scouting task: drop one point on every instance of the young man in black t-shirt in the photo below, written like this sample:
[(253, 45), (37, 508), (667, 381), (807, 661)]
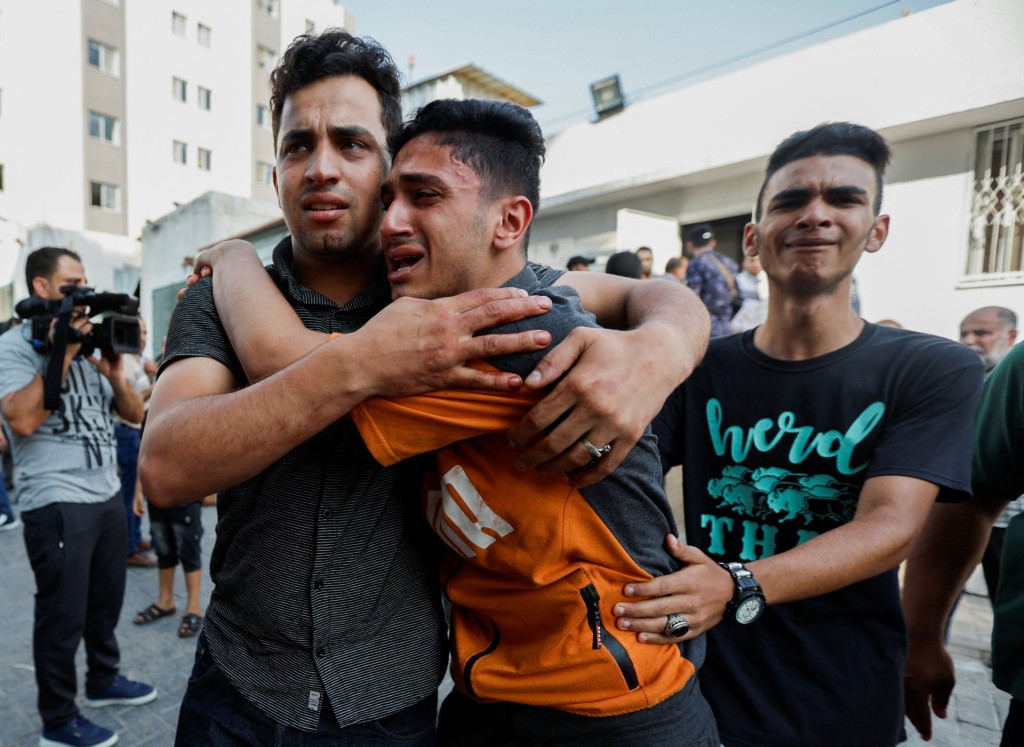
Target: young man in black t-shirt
[(813, 448)]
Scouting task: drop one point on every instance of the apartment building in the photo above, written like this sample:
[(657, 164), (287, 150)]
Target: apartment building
[(114, 112)]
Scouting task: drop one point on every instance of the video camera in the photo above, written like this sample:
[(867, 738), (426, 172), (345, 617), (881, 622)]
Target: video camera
[(117, 331)]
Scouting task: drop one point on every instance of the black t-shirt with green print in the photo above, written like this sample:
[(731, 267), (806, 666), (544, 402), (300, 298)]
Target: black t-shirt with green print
[(775, 453)]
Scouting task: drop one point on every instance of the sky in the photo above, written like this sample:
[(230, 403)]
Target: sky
[(554, 49)]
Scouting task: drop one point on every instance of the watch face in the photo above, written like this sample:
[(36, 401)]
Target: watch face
[(749, 610)]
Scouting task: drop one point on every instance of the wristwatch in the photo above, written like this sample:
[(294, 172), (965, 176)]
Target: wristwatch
[(748, 602)]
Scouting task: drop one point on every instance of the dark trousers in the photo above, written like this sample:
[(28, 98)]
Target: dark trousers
[(683, 720), (1013, 729), (991, 560), (128, 440), (77, 555), (214, 714)]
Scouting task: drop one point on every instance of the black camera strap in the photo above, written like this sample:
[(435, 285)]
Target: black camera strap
[(55, 364)]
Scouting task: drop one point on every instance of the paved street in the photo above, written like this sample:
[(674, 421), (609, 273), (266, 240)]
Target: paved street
[(154, 653), (151, 653)]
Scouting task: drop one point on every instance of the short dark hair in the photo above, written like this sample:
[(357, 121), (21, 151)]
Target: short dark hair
[(42, 263), (313, 57), (626, 264), (499, 140), (674, 263), (831, 139)]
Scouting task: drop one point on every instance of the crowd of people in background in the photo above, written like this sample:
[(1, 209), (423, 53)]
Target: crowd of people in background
[(305, 393)]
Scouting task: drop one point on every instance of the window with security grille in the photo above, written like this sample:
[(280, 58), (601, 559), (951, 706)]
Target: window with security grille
[(996, 240)]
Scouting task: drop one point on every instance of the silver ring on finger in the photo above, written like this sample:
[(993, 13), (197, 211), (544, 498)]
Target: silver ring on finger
[(676, 626), (595, 451)]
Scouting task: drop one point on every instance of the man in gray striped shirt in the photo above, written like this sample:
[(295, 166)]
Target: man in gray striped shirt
[(325, 614)]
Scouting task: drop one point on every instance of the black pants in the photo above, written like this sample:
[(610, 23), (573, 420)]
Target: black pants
[(991, 560), (77, 555)]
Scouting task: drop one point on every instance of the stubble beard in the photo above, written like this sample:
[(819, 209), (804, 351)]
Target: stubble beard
[(341, 245)]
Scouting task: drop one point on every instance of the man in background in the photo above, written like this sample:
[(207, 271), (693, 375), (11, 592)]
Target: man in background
[(579, 263), (712, 276), (675, 269), (65, 464), (991, 332), (646, 256)]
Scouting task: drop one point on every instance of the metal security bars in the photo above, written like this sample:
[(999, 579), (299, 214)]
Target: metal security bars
[(996, 241)]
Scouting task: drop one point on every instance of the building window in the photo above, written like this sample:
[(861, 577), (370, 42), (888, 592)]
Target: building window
[(180, 152), (106, 196), (203, 34), (269, 7), (177, 23), (105, 58), (996, 242), (263, 116), (203, 158), (265, 57), (104, 128), (1, 177), (179, 89), (204, 96), (264, 173)]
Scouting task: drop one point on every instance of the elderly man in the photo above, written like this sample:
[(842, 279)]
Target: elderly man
[(990, 332)]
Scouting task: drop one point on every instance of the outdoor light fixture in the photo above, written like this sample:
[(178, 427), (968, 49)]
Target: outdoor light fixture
[(608, 98)]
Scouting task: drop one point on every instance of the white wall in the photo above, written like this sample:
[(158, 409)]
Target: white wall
[(924, 81), (957, 57)]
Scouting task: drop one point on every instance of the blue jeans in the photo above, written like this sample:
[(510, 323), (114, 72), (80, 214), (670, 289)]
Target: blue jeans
[(128, 440), (214, 714)]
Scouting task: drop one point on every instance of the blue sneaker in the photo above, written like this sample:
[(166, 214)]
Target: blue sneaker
[(122, 691), (8, 521), (79, 732)]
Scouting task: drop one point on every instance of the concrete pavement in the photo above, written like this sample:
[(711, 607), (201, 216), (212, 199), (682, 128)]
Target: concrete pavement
[(150, 653), (153, 653)]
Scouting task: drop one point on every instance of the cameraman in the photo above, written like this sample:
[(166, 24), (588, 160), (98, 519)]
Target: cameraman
[(65, 475)]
